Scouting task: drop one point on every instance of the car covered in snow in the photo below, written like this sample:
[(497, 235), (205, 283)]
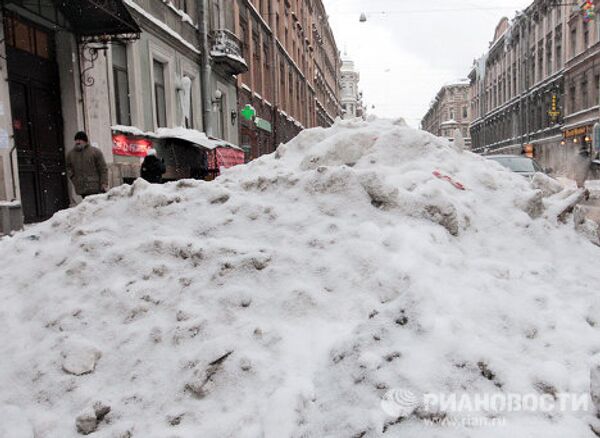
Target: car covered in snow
[(520, 164)]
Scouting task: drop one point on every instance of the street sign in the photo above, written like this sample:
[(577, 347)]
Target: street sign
[(263, 124)]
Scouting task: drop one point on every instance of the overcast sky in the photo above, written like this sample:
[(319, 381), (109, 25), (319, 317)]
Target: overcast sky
[(408, 49)]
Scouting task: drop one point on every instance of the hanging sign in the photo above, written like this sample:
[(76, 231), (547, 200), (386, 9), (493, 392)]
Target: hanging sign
[(554, 112), (576, 132), (263, 124)]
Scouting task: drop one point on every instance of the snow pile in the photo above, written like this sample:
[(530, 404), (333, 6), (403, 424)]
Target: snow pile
[(289, 296)]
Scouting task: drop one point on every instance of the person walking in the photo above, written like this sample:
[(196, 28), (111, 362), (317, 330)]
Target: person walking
[(87, 168), (583, 162), (153, 168)]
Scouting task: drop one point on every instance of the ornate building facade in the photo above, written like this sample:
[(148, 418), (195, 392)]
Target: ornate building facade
[(449, 111), (536, 89)]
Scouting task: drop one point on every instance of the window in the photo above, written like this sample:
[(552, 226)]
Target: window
[(584, 94), (573, 99), (549, 65), (189, 118), (244, 36), (586, 36), (215, 14), (540, 62), (465, 112), (573, 41), (23, 37), (26, 37), (282, 84), (159, 94), (558, 50), (42, 48), (183, 5), (121, 84), (267, 72), (257, 67)]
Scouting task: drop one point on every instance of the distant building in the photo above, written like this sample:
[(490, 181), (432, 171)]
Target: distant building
[(350, 96), (537, 88), (450, 111)]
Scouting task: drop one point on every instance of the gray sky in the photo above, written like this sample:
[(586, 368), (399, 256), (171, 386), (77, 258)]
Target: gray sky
[(408, 49)]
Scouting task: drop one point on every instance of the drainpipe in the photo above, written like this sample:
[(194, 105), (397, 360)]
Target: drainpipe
[(274, 73), (206, 70), (12, 172)]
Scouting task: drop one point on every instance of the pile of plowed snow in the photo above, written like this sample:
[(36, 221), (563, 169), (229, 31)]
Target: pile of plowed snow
[(288, 297)]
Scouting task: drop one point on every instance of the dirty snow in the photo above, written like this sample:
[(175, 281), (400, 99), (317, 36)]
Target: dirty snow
[(287, 297)]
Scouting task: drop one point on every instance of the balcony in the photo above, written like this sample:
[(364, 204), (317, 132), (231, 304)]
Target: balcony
[(226, 51)]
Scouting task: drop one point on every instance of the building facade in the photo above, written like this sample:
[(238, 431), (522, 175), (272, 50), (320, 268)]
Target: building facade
[(294, 68), (350, 96), (112, 68), (155, 81), (536, 89), (449, 111), (582, 80), (223, 60), (129, 68), (55, 57)]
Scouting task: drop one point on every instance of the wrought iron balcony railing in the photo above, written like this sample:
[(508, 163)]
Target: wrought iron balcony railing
[(226, 49)]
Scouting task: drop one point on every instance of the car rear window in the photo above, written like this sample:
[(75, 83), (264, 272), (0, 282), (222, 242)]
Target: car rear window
[(518, 164)]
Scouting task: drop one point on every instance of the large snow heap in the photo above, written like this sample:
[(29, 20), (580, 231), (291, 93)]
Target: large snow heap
[(287, 297)]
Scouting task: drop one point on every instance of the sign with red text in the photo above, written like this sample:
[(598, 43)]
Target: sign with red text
[(130, 146)]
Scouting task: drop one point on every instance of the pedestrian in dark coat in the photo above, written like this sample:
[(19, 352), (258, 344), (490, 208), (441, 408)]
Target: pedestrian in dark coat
[(86, 167), (153, 168)]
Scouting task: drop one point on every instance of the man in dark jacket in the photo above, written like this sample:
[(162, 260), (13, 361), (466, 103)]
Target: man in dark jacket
[(153, 168), (86, 167)]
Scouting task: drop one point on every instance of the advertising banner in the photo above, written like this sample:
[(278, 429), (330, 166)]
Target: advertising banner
[(130, 146)]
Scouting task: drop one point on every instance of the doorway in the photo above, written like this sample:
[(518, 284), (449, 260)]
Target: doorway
[(36, 115)]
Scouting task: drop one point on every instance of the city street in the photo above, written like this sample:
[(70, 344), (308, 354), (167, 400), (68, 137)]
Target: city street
[(299, 219)]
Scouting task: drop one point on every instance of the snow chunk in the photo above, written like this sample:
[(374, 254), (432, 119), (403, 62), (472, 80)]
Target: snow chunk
[(80, 357), (549, 186)]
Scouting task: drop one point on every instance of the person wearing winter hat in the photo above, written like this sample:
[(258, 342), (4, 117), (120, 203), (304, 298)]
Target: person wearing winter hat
[(153, 168), (86, 167)]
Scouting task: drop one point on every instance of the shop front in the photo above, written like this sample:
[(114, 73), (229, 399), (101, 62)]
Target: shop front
[(580, 136), (187, 153)]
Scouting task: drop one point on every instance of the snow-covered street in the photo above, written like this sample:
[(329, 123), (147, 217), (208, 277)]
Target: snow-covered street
[(286, 298)]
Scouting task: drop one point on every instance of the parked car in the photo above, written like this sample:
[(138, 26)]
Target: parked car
[(519, 164)]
